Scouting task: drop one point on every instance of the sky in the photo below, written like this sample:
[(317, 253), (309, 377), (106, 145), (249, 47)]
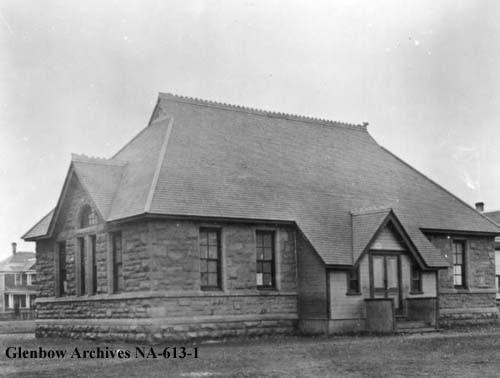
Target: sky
[(83, 77)]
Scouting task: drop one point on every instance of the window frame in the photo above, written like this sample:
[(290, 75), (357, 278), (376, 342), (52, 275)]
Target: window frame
[(63, 273), (87, 217), (117, 274), (463, 264), (207, 259), (415, 276), (18, 279), (263, 261), (83, 260), (349, 279), (93, 263)]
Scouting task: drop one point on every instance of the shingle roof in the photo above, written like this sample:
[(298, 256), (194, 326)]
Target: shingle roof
[(364, 227), (100, 178), (494, 216), (201, 158), (19, 262), (41, 228)]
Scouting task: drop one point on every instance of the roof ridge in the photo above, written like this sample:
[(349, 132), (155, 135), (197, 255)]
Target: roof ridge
[(159, 164), (262, 112), (82, 158)]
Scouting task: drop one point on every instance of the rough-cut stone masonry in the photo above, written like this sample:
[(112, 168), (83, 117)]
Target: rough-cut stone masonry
[(162, 280), (476, 303)]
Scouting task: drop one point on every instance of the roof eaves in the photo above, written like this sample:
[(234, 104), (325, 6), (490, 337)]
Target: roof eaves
[(36, 224)]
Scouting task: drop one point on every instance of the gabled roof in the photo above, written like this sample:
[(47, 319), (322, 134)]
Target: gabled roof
[(367, 224), (207, 159), (18, 262)]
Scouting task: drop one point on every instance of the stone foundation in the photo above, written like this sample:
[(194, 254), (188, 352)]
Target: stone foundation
[(162, 330)]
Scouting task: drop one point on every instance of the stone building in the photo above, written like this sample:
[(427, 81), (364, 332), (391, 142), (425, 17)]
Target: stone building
[(220, 220), (18, 287), (495, 216)]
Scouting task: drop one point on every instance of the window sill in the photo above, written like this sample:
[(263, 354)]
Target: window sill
[(210, 289), (416, 292), (267, 288), (353, 293)]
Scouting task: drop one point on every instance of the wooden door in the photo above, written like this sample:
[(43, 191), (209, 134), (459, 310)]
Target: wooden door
[(385, 277)]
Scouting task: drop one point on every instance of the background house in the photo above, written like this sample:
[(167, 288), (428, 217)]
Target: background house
[(220, 220), (18, 287)]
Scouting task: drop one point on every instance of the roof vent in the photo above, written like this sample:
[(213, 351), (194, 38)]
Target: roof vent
[(14, 248), (480, 206)]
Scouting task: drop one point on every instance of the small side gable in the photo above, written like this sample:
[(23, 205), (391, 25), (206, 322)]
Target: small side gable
[(392, 235), (73, 196)]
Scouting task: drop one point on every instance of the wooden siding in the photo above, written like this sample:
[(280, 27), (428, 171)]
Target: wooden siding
[(388, 240), (312, 291), (428, 280), (343, 306)]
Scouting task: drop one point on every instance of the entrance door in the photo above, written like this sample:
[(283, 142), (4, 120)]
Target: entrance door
[(385, 278)]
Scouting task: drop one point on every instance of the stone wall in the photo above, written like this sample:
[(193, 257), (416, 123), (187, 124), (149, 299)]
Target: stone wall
[(161, 298), (476, 302)]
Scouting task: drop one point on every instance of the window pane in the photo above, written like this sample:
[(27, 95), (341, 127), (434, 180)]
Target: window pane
[(268, 280), (260, 253), (259, 241), (212, 279), (212, 266), (392, 273), (212, 238), (267, 267), (204, 278), (259, 267), (457, 280), (268, 254), (213, 252), (268, 240), (378, 272), (260, 279), (457, 270), (203, 238)]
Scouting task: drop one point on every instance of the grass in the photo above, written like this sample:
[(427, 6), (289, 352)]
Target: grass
[(468, 353)]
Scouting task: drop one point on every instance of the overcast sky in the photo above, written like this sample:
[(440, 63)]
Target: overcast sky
[(83, 77)]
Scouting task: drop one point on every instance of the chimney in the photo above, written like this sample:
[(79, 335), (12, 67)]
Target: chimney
[(14, 248), (480, 206)]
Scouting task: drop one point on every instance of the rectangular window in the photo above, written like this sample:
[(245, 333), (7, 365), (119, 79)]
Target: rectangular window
[(83, 262), (63, 283), (18, 279), (210, 256), (416, 278), (459, 263), (353, 281), (6, 301), (265, 259), (94, 263), (29, 282), (116, 240)]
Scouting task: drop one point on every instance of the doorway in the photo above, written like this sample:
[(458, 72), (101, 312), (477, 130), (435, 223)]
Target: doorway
[(385, 277)]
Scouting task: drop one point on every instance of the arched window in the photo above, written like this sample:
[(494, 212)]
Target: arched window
[(87, 216)]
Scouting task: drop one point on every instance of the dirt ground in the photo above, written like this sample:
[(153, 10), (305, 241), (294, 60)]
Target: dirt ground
[(465, 353)]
